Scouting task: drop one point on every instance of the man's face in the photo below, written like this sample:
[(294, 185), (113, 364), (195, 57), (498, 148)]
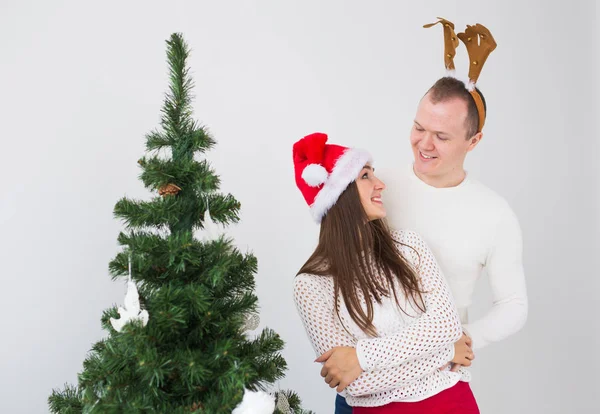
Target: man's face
[(439, 138)]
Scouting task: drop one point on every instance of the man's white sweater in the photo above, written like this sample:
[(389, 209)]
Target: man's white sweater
[(468, 227)]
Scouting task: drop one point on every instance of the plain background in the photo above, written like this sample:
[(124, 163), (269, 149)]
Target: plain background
[(82, 82)]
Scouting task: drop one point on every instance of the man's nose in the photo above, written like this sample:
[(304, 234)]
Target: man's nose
[(427, 141)]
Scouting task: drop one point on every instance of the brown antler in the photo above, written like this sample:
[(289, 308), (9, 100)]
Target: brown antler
[(450, 41), (480, 44)]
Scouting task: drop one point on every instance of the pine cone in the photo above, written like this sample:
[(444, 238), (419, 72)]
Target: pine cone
[(196, 406), (168, 189)]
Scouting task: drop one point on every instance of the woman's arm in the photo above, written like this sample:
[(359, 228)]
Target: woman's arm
[(433, 331), (388, 379), (314, 300)]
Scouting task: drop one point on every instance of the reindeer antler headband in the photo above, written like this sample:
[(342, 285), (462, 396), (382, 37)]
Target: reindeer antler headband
[(480, 43)]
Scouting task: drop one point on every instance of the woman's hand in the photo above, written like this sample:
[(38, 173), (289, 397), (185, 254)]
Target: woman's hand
[(340, 367)]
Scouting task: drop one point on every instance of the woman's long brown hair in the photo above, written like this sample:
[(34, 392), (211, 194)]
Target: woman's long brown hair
[(362, 258)]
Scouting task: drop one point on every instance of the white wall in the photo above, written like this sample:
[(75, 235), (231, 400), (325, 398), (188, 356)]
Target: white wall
[(82, 82)]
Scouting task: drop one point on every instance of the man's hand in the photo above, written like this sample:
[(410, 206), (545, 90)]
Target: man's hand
[(340, 367), (463, 353)]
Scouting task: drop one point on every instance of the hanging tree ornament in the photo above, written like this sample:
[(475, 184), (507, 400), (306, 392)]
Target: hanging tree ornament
[(251, 323), (283, 404), (132, 310), (255, 402), (210, 230)]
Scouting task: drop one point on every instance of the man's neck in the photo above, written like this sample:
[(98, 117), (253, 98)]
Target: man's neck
[(451, 179)]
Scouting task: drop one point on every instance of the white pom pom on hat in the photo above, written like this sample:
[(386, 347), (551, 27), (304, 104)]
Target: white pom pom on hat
[(314, 175)]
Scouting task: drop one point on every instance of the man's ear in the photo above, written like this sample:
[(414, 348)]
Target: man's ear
[(474, 140)]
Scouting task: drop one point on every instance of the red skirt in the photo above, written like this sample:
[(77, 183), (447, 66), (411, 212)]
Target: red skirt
[(458, 399)]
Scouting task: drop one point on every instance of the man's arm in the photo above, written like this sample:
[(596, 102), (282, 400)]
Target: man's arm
[(504, 267)]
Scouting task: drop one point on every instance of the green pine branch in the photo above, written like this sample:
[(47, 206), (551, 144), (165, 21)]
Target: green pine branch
[(170, 212), (67, 401), (199, 140), (184, 173)]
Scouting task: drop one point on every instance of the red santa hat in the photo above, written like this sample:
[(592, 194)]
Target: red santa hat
[(323, 171)]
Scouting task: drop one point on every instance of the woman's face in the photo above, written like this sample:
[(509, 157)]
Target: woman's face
[(369, 189)]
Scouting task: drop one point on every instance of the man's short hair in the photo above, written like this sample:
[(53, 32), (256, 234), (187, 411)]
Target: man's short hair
[(448, 88)]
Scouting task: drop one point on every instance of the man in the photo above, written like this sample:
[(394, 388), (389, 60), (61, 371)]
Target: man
[(468, 227)]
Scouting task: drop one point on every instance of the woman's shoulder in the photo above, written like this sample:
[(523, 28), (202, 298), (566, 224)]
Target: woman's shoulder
[(312, 281), (410, 245), (407, 237), (312, 287)]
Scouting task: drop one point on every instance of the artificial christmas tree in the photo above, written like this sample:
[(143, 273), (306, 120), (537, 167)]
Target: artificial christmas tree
[(180, 346)]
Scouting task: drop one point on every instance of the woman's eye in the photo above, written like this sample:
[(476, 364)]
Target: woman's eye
[(365, 176)]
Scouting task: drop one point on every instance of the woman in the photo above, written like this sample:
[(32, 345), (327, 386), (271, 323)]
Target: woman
[(374, 302)]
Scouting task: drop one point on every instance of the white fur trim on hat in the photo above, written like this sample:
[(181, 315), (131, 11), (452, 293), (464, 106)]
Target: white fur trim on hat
[(314, 175), (344, 172)]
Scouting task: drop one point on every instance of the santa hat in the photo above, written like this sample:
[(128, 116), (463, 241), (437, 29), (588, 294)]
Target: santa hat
[(323, 171)]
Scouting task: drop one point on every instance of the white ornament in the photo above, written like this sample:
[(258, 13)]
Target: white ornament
[(132, 310), (314, 175), (211, 230), (255, 402)]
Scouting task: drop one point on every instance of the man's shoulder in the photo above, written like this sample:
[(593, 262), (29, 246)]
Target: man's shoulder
[(491, 207), (486, 197)]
